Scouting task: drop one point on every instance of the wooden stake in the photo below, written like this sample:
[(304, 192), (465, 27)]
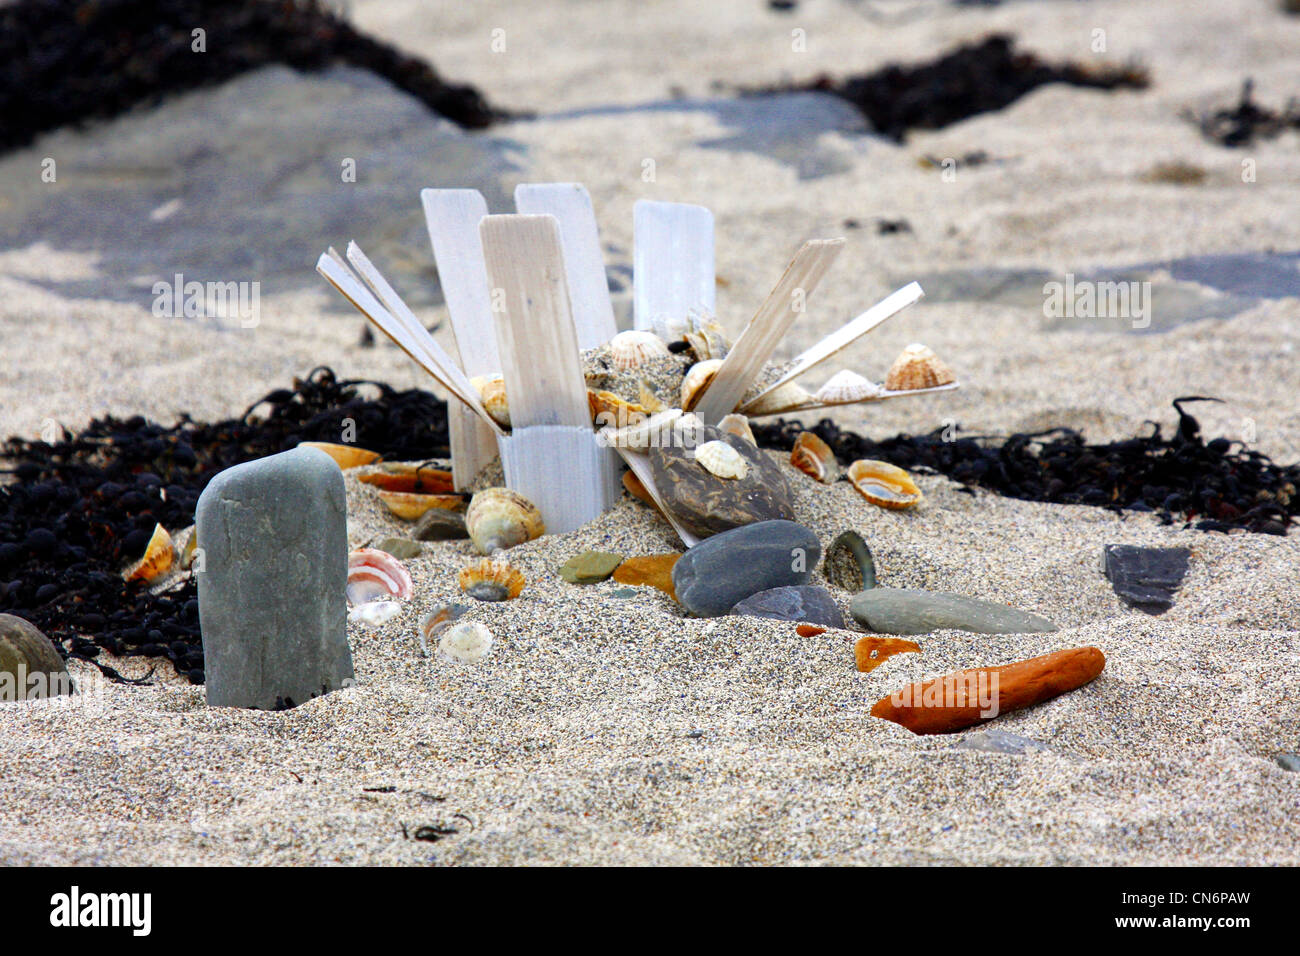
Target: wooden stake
[(673, 273)]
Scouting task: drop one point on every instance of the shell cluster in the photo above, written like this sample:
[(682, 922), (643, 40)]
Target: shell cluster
[(498, 518)]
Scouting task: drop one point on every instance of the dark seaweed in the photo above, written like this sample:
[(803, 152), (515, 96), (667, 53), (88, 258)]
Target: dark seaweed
[(1247, 121)]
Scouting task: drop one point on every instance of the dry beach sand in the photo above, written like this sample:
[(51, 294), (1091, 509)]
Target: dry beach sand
[(611, 729)]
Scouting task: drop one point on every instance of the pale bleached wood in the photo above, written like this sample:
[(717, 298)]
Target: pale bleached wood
[(639, 463), (846, 335), (562, 470), (452, 217), (584, 262), (673, 269), (767, 328), (883, 397), (473, 444), (536, 340)]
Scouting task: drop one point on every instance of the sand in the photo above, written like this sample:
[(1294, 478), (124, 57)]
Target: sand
[(605, 729)]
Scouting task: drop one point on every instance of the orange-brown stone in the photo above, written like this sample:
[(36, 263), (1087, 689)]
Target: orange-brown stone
[(871, 652), (655, 570)]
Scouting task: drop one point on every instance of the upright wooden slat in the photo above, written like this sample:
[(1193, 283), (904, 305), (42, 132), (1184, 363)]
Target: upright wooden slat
[(674, 273), (452, 217), (766, 329), (569, 203), (536, 340)]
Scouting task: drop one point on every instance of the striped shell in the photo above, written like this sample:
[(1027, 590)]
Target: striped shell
[(491, 580), (814, 457), (884, 484), (720, 459), (629, 349), (787, 398), (157, 560), (375, 574), (917, 367), (844, 387), (498, 518)]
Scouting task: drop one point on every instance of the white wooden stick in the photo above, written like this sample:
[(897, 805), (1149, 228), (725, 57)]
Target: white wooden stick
[(452, 217), (766, 329), (584, 263), (812, 406), (536, 340), (673, 268), (846, 335)]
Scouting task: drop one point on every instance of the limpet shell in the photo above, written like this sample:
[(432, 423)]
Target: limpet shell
[(157, 560), (468, 642), (845, 387), (492, 393), (491, 580), (409, 506), (401, 476), (738, 425), (787, 398), (814, 457), (635, 347), (697, 380), (884, 484), (437, 621), (917, 367), (499, 518), (345, 456), (719, 458), (375, 574)]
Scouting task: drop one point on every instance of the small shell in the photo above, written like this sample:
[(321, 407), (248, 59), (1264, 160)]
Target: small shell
[(157, 560), (345, 456), (468, 642), (787, 398), (374, 613), (499, 518), (844, 387), (629, 349), (917, 367), (719, 458), (612, 411), (492, 393), (400, 476), (653, 432), (491, 580), (814, 457), (708, 341), (697, 380), (737, 424), (375, 574), (884, 484), (409, 506), (648, 399), (437, 621)]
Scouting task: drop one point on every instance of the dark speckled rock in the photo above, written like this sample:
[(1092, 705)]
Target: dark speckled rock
[(1146, 578), (717, 574), (805, 603), (705, 504)]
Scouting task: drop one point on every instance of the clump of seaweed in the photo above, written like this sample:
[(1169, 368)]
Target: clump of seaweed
[(1246, 122)]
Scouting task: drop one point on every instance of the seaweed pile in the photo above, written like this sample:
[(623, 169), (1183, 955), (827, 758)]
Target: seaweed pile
[(82, 507), (975, 78), (1247, 121), (78, 509), (1218, 485), (66, 61)]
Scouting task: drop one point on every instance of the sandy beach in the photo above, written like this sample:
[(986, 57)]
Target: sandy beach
[(608, 727)]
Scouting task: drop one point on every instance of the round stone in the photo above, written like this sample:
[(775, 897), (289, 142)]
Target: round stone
[(30, 666)]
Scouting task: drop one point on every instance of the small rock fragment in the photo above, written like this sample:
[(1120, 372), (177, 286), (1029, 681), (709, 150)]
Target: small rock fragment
[(590, 567), (870, 652), (1146, 578), (1000, 742), (655, 570), (30, 666), (401, 548), (800, 602), (440, 524), (1288, 762)]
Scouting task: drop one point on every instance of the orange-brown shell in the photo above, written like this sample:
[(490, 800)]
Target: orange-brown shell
[(917, 367), (408, 505), (345, 456), (618, 412), (884, 484), (814, 457), (400, 476), (698, 377), (491, 579), (157, 560)]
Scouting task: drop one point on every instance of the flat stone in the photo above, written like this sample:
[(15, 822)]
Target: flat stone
[(1000, 742), (1289, 762), (440, 524), (401, 548), (849, 564), (705, 504), (720, 572), (1146, 578), (654, 570), (903, 611), (30, 665), (590, 567), (805, 603), (272, 592)]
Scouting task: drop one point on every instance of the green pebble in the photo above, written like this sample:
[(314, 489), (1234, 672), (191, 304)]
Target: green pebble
[(401, 548), (590, 567)]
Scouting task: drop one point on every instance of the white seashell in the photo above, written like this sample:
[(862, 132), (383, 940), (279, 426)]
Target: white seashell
[(374, 574), (738, 425), (787, 398), (629, 349), (697, 380), (654, 432), (719, 458), (468, 642), (374, 613), (844, 387), (492, 393)]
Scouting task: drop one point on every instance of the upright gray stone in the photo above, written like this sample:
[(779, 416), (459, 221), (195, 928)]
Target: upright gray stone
[(272, 591)]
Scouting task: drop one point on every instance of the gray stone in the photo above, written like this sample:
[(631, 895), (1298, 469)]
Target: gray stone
[(440, 524), (717, 574), (705, 504), (849, 564), (1289, 762), (1146, 578), (404, 549), (590, 567), (805, 603), (272, 592), (901, 611), (30, 666), (999, 742)]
